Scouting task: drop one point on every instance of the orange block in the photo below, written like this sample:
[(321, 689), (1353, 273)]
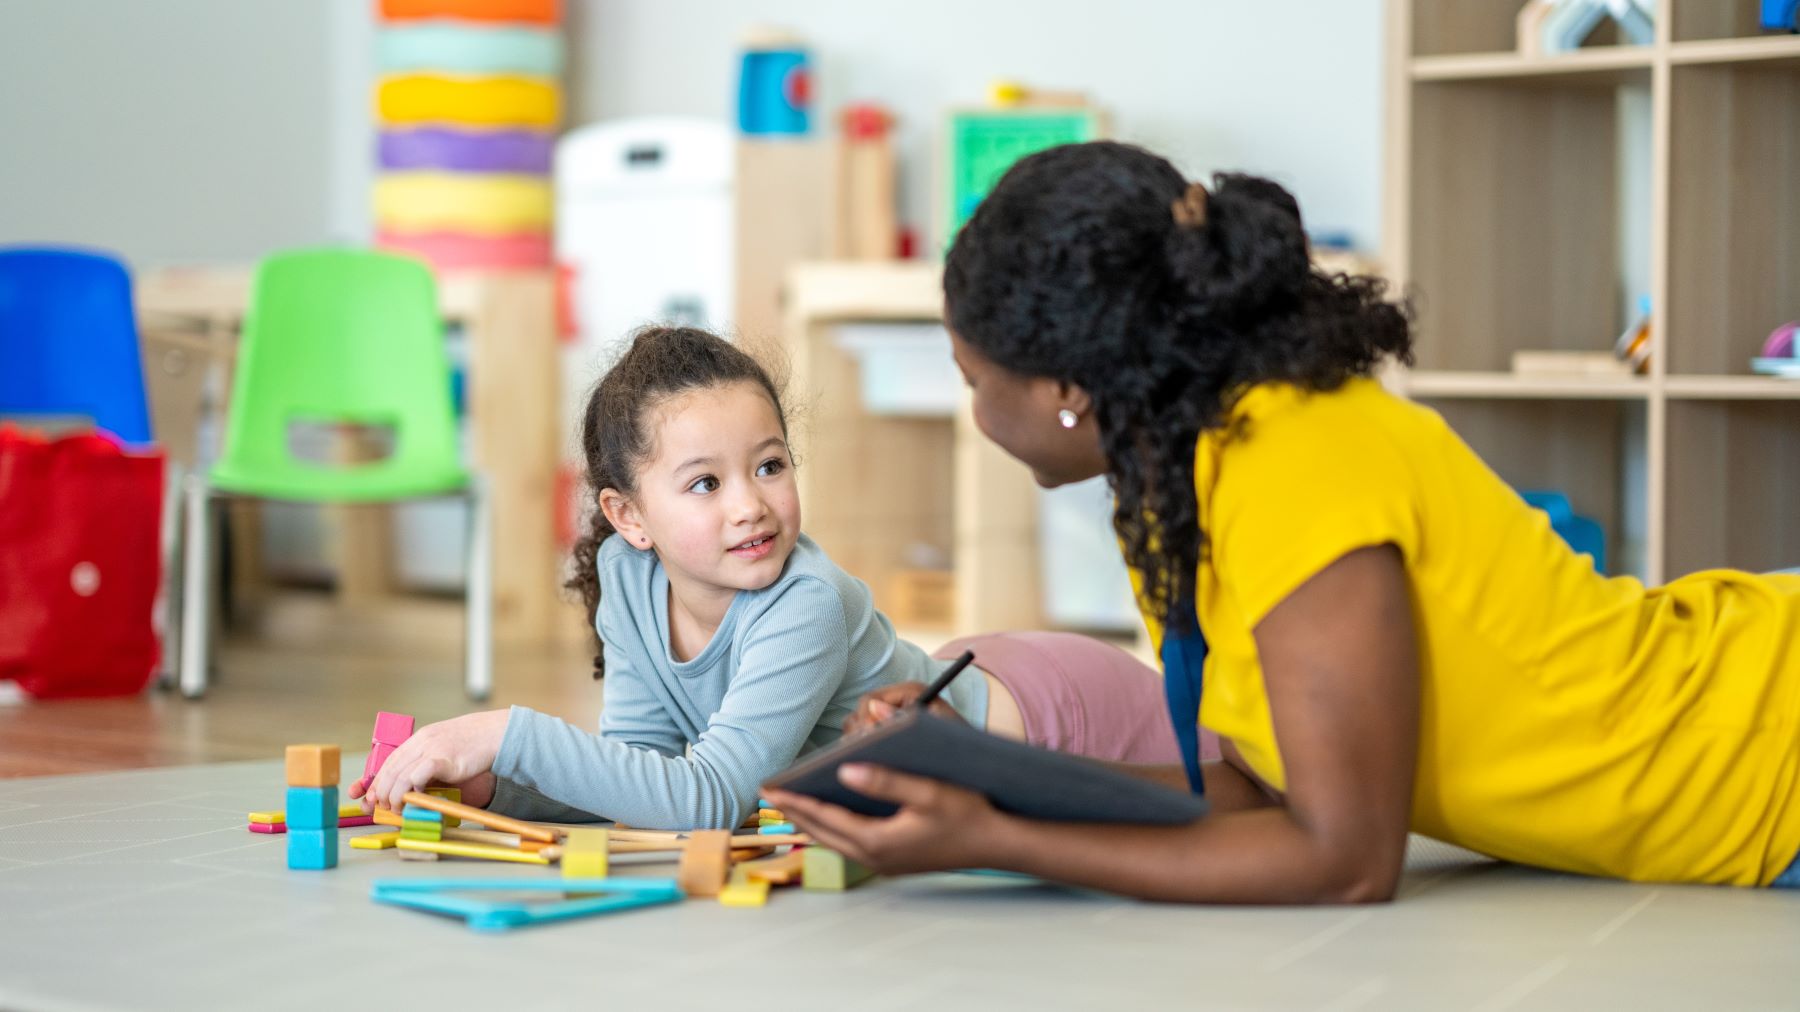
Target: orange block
[(705, 863), (537, 12), (312, 765)]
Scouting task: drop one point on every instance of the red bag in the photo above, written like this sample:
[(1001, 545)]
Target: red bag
[(80, 528)]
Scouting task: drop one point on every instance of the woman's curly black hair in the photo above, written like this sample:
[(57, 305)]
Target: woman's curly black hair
[(1097, 264)]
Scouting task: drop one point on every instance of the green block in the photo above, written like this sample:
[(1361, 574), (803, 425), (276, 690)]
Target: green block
[(824, 870), (421, 833)]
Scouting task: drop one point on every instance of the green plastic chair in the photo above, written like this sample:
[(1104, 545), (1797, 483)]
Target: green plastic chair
[(338, 336)]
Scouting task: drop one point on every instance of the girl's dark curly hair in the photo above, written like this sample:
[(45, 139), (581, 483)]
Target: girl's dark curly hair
[(1099, 265), (661, 363)]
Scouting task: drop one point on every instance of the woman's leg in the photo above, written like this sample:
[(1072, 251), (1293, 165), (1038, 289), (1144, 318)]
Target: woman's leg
[(1075, 694)]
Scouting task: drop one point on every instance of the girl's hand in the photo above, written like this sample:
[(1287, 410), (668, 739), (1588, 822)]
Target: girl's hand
[(456, 751), (939, 826), (881, 705)]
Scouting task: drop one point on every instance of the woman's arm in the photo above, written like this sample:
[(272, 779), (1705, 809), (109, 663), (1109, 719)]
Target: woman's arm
[(1340, 664)]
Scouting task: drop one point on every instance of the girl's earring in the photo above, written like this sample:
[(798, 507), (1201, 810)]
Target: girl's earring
[(1067, 418)]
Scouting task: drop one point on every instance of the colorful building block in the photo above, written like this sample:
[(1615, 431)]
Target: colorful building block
[(782, 869), (312, 807), (268, 827), (829, 871), (597, 896), (705, 862), (451, 794), (391, 728), (312, 849), (312, 766), (388, 817), (776, 829), (375, 841), (744, 891), (421, 833), (413, 813), (584, 853), (477, 850)]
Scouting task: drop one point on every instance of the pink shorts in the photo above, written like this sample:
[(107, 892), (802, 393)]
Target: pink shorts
[(1080, 695)]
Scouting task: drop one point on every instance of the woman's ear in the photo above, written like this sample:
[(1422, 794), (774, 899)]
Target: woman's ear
[(1073, 398), (622, 513)]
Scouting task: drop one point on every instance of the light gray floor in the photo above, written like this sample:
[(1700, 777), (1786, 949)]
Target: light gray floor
[(143, 890)]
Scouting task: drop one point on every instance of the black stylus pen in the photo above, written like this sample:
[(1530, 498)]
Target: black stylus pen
[(937, 685)]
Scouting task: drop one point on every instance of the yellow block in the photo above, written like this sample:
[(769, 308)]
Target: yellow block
[(584, 853), (480, 850), (375, 841), (448, 794), (348, 811), (503, 101), (744, 891), (481, 203)]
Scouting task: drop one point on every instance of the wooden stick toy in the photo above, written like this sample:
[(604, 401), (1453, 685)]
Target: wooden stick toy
[(527, 830)]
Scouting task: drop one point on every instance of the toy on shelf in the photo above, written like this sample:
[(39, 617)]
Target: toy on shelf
[(468, 104), (774, 84), (1781, 15), (1780, 353), (1549, 27), (984, 143), (312, 807), (867, 225)]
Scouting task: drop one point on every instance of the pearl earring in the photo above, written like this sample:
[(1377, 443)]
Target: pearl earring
[(1067, 418)]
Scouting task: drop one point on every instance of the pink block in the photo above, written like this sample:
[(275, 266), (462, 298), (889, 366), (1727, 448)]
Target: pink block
[(347, 821), (378, 754), (266, 827), (392, 728)]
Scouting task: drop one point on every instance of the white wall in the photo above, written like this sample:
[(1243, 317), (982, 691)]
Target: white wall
[(1290, 89), (218, 130), (183, 130)]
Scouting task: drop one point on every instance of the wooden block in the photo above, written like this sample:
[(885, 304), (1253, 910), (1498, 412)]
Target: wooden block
[(448, 794), (749, 853), (268, 827), (492, 821), (392, 729), (388, 817), (744, 891), (312, 765), (407, 854), (474, 850), (417, 833), (375, 841), (378, 754), (1569, 363), (829, 871), (413, 813), (782, 869), (705, 862), (312, 807), (584, 853), (270, 818), (312, 849), (488, 837)]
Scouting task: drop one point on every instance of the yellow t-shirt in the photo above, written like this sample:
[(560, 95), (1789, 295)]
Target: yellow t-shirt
[(1567, 720)]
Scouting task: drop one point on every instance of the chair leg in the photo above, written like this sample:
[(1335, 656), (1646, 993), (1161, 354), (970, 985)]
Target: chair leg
[(196, 581), (479, 675), (169, 597)]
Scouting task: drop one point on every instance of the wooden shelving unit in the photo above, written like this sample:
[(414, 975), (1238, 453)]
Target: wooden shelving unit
[(1511, 217)]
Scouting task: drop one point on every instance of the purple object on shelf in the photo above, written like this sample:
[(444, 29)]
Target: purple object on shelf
[(1781, 342), (523, 151)]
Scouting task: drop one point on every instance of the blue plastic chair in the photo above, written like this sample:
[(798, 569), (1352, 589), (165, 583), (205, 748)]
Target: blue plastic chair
[(68, 340)]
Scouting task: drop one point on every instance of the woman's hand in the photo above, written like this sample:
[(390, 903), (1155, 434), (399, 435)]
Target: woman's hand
[(881, 705), (458, 751), (939, 826)]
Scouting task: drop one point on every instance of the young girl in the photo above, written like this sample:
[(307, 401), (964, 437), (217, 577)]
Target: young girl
[(730, 643), (1397, 642)]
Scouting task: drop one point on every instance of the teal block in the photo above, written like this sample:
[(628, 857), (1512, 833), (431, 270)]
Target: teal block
[(312, 849), (312, 808), (413, 813)]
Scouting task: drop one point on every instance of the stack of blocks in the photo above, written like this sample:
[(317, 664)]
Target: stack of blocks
[(770, 821), (421, 824), (312, 806)]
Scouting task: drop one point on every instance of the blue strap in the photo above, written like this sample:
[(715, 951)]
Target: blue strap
[(1183, 659)]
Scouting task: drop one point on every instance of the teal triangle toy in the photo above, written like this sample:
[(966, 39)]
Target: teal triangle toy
[(595, 896)]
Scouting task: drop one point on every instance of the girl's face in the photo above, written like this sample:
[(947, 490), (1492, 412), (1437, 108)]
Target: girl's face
[(1022, 415), (717, 500)]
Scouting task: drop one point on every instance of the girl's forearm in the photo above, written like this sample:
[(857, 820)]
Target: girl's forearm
[(1228, 789), (1260, 856)]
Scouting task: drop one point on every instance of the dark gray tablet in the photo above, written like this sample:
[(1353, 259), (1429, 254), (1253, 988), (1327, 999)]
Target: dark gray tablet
[(1018, 778)]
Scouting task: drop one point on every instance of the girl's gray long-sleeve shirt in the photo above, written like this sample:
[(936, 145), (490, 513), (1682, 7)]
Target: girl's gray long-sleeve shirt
[(686, 744)]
